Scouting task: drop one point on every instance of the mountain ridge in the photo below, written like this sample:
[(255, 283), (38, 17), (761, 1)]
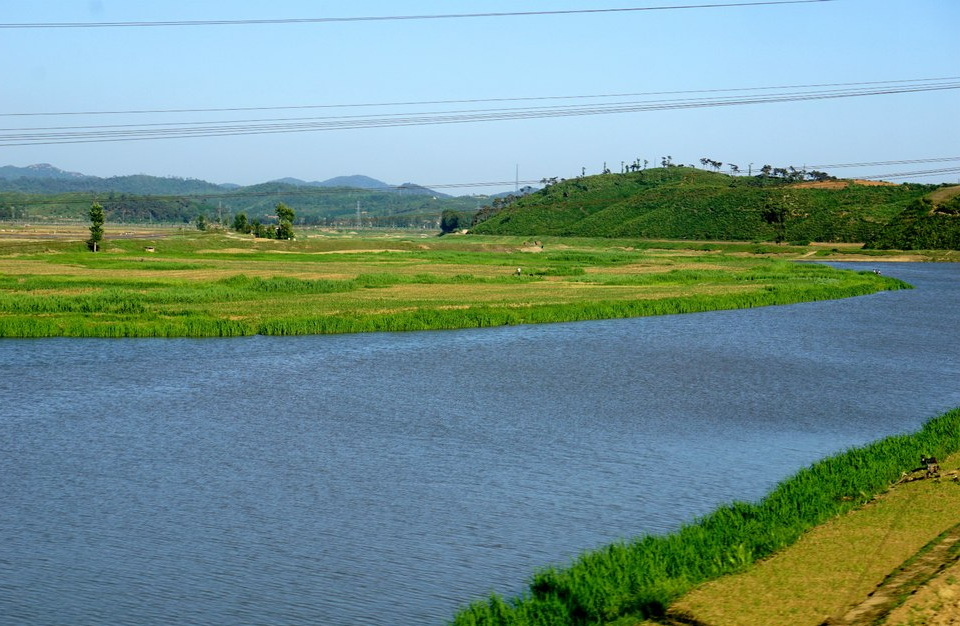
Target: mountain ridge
[(47, 178)]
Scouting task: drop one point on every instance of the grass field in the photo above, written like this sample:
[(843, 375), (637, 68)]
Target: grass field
[(181, 283), (836, 565)]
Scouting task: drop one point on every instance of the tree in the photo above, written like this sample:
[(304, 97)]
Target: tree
[(240, 223), (201, 222), (775, 213), (285, 217), (449, 221), (96, 227)]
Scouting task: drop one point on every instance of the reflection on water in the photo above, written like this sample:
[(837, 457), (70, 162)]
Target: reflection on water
[(389, 478)]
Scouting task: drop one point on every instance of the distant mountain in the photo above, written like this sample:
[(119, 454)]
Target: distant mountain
[(44, 190), (139, 184), (39, 170), (356, 181), (412, 189), (353, 182), (45, 178), (296, 182)]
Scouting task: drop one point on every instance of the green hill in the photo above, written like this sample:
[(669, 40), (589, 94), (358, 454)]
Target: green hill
[(42, 191), (687, 203), (313, 205), (928, 223)]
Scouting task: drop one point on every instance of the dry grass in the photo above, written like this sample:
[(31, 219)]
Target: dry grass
[(944, 194), (935, 604), (834, 566)]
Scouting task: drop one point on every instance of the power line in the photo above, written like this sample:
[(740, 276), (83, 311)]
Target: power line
[(473, 100), (915, 174), (389, 18), (99, 134), (834, 166)]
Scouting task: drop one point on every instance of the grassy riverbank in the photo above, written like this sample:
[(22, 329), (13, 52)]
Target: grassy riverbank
[(200, 285), (627, 582), (853, 569)]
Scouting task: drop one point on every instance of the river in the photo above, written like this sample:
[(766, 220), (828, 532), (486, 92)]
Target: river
[(390, 478)]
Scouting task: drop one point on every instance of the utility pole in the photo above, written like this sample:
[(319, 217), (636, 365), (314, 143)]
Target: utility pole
[(358, 215), (516, 184)]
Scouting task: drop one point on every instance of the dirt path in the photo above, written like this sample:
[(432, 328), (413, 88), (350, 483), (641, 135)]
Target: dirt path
[(936, 556), (853, 570)]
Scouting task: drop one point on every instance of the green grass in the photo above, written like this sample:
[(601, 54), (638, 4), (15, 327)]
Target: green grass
[(640, 578), (211, 285)]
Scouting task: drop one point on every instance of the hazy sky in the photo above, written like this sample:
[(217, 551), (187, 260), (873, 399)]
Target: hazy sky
[(496, 62)]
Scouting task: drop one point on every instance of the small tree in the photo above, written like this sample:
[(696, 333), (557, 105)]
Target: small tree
[(776, 213), (201, 222), (285, 217), (96, 227), (240, 223), (450, 221)]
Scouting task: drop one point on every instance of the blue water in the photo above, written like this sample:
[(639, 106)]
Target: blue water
[(390, 478)]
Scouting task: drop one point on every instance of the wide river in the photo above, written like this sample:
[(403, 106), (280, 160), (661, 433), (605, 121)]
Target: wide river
[(390, 478)]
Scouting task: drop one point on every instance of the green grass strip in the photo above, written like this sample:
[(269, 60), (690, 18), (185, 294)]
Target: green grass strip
[(172, 310), (640, 578)]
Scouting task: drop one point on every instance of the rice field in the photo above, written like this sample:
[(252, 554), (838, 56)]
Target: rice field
[(214, 284)]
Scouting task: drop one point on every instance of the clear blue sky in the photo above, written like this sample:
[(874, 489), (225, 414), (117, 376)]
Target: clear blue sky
[(393, 61)]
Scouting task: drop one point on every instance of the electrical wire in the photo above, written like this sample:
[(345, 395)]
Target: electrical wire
[(834, 166), (474, 100), (170, 130), (915, 174), (387, 18)]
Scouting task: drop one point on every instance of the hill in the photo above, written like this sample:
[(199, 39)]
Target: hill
[(929, 223), (54, 181), (356, 181), (687, 203), (44, 192), (38, 170)]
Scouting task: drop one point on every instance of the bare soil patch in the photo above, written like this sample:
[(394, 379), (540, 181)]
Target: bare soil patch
[(843, 184), (942, 195)]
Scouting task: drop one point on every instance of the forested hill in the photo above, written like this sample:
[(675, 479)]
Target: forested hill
[(687, 203), (332, 206), (43, 191), (44, 181), (929, 223)]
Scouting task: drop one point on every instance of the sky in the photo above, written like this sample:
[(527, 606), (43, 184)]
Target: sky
[(336, 88)]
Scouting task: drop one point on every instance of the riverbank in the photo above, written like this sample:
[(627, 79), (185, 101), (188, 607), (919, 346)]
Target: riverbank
[(218, 284), (856, 569), (624, 583)]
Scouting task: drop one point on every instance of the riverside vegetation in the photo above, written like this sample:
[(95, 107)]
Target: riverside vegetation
[(193, 284), (629, 581)]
